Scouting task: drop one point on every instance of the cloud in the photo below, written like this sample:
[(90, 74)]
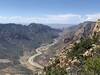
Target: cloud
[(93, 17), (17, 19), (51, 19), (63, 19)]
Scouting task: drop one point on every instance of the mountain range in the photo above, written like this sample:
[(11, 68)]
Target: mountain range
[(17, 40)]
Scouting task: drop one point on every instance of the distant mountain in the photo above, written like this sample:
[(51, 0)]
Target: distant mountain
[(17, 38), (60, 26), (74, 33)]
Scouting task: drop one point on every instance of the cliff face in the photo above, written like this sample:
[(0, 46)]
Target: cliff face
[(85, 30), (74, 33)]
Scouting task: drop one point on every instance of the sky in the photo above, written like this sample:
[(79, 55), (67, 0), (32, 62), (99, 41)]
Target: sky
[(49, 11)]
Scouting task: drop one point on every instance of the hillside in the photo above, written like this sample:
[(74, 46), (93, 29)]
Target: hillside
[(81, 56)]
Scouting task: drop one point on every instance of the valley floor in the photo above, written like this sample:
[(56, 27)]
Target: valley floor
[(30, 62)]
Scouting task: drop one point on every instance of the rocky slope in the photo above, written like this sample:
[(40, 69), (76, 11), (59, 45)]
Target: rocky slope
[(82, 56), (73, 33)]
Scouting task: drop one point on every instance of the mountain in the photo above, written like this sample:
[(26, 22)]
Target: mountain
[(82, 55), (69, 36), (17, 38), (60, 26), (18, 43), (73, 33)]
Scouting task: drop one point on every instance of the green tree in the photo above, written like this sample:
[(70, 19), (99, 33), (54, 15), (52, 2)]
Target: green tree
[(55, 70), (81, 47), (93, 66)]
